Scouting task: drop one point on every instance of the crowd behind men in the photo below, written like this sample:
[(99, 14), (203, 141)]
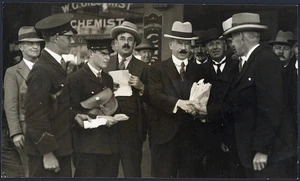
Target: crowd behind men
[(247, 129)]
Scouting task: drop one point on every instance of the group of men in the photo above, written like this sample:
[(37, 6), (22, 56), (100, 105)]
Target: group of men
[(248, 127)]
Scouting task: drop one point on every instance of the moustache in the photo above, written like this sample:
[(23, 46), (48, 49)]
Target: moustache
[(183, 51), (126, 46)]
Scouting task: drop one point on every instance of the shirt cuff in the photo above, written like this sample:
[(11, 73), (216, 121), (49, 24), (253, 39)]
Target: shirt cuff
[(175, 108)]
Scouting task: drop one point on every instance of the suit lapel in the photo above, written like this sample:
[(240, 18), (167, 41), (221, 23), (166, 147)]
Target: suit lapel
[(90, 74), (247, 64), (53, 62), (23, 70), (172, 74), (112, 64)]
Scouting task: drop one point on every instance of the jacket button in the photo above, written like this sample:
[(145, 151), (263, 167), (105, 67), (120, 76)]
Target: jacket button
[(249, 79)]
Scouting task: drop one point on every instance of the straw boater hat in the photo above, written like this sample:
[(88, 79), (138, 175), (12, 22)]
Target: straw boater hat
[(146, 45), (181, 31), (244, 21), (28, 33), (128, 27), (283, 38)]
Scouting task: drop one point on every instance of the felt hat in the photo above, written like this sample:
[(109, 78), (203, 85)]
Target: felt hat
[(128, 27), (181, 31), (146, 45), (283, 38), (211, 34), (28, 33)]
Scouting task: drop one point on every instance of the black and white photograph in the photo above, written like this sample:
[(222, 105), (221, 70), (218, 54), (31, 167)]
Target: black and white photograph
[(161, 90)]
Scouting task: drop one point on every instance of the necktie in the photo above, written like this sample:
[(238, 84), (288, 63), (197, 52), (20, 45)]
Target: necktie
[(63, 64), (218, 67), (182, 71), (99, 76), (121, 65)]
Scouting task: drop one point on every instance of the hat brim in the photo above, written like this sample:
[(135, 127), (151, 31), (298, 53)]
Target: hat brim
[(71, 32), (272, 42), (243, 27), (30, 40), (180, 38), (119, 29)]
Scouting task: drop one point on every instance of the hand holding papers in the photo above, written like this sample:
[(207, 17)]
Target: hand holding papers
[(200, 94), (104, 120), (121, 77)]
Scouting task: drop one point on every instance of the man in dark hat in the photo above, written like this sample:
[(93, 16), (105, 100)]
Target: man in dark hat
[(172, 134), (48, 141), (15, 89), (132, 132), (220, 71), (146, 51), (199, 51), (255, 103), (94, 147)]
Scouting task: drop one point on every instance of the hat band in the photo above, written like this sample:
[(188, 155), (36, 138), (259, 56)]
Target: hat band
[(182, 34), (238, 24), (28, 35)]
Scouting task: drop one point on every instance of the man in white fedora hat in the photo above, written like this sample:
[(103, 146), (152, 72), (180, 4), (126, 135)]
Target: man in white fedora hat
[(132, 132), (170, 81), (282, 46), (255, 102), (15, 89)]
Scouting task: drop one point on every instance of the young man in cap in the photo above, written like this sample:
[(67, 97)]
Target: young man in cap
[(255, 102), (220, 71), (96, 149), (132, 132), (48, 141), (172, 134), (15, 89), (146, 51)]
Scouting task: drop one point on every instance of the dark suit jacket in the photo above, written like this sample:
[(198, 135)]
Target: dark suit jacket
[(256, 106), (83, 85), (47, 120), (223, 131), (132, 105), (165, 91), (14, 94)]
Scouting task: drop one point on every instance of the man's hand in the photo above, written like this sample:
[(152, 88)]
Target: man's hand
[(260, 161), (80, 118), (116, 86), (186, 106), (50, 162), (135, 82), (200, 108), (19, 140)]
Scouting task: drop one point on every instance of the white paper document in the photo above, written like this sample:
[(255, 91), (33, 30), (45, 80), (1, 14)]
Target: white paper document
[(102, 120), (121, 77)]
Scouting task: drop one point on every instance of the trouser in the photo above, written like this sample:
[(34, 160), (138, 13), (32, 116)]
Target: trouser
[(11, 162), (174, 158), (96, 165), (36, 167)]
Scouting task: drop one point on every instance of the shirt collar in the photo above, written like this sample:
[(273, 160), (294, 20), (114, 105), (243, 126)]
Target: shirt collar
[(250, 52), (222, 61), (127, 58), (95, 71), (54, 55), (178, 62), (28, 63)]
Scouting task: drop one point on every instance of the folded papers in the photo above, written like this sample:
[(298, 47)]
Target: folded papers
[(200, 92), (102, 120)]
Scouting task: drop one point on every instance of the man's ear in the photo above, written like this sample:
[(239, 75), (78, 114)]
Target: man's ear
[(170, 44), (20, 45)]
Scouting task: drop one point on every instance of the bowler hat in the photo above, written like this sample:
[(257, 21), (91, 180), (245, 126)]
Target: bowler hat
[(103, 103), (58, 24), (181, 31), (99, 44), (284, 38), (201, 35), (28, 33), (245, 21), (128, 27), (146, 45), (211, 34)]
